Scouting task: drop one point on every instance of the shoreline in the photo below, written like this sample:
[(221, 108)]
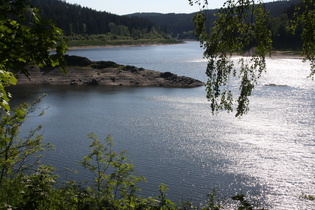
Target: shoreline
[(82, 71), (274, 54), (286, 54), (122, 45)]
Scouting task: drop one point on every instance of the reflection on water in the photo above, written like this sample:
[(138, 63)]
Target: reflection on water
[(172, 138)]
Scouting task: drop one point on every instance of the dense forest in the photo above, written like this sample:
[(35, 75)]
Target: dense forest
[(74, 19), (78, 22), (281, 13)]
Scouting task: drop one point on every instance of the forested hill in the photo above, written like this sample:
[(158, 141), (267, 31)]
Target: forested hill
[(75, 19), (78, 20), (181, 25)]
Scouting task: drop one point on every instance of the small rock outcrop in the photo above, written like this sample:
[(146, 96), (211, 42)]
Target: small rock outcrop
[(275, 85), (77, 60), (104, 65), (91, 82)]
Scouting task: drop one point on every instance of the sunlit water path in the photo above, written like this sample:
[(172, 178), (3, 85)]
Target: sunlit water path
[(172, 138)]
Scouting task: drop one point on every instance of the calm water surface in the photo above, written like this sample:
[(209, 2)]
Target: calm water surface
[(172, 138)]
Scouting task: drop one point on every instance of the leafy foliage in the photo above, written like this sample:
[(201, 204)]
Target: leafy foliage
[(15, 152), (114, 185), (305, 17), (213, 202), (19, 157), (242, 28), (34, 191), (22, 31)]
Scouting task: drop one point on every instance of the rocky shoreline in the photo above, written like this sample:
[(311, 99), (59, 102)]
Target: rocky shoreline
[(82, 71)]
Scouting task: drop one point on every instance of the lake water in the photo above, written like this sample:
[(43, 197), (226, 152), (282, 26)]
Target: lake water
[(172, 137)]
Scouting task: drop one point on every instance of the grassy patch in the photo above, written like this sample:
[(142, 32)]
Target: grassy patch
[(83, 43)]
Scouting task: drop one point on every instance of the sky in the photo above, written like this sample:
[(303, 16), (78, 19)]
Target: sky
[(123, 7)]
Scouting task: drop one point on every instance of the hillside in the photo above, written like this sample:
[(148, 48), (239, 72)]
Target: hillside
[(181, 26), (74, 19), (103, 28)]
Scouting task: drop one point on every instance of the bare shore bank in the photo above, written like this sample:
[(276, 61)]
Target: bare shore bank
[(82, 71)]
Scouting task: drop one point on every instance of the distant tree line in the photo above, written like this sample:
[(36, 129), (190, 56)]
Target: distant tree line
[(181, 26), (82, 23), (74, 19)]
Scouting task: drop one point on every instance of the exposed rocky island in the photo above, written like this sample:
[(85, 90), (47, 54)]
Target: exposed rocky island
[(82, 71), (275, 85)]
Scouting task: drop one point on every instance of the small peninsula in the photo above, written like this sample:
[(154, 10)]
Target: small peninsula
[(82, 71)]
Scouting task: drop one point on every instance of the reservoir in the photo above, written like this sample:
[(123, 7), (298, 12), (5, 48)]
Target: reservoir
[(172, 137)]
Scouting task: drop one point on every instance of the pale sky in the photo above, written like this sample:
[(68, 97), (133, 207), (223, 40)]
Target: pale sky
[(122, 7)]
